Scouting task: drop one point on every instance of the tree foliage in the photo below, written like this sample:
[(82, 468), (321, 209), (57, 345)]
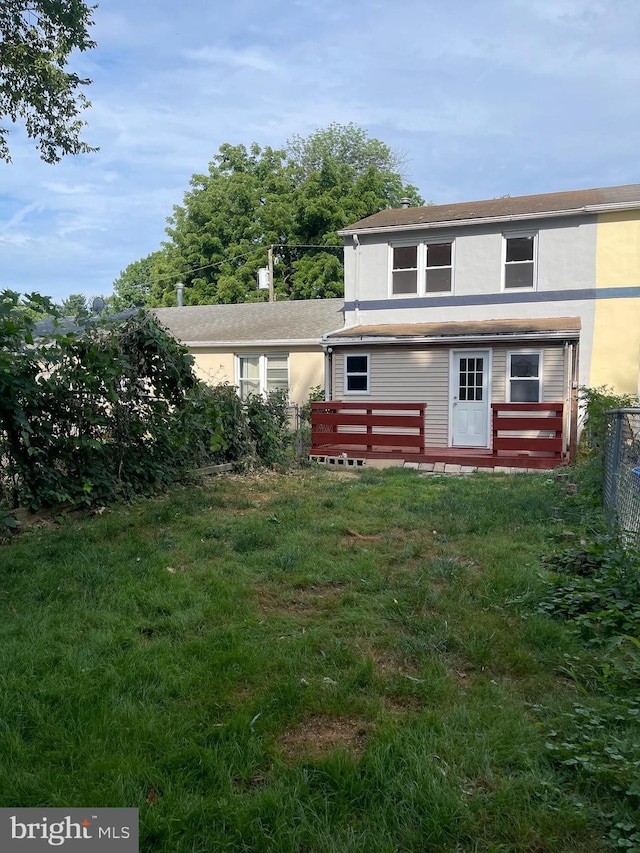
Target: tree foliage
[(37, 38), (111, 410), (133, 285), (295, 199)]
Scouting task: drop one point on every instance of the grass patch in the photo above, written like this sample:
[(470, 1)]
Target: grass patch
[(302, 662)]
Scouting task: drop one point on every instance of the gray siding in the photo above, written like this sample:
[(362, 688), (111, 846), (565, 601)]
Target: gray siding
[(422, 375)]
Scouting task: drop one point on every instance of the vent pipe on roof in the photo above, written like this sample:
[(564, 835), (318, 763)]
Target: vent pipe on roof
[(405, 202), (179, 292)]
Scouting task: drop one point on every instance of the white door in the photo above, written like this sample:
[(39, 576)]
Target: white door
[(470, 399)]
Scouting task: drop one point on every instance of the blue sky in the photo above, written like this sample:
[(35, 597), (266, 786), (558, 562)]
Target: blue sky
[(484, 97)]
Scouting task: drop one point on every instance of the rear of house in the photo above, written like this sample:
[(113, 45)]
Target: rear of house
[(491, 314)]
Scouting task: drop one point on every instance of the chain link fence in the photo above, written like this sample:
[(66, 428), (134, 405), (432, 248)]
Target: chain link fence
[(622, 471)]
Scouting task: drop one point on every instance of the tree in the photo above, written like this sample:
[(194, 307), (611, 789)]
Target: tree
[(36, 40), (133, 286), (74, 304), (346, 144), (295, 199)]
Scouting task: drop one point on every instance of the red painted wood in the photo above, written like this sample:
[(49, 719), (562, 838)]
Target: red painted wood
[(527, 407), (329, 419), (552, 445), (324, 440), (521, 423), (337, 419), (398, 407), (506, 418)]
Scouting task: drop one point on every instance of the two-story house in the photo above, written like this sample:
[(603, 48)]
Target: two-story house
[(488, 309)]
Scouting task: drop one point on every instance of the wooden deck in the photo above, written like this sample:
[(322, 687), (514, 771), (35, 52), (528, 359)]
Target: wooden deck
[(524, 435)]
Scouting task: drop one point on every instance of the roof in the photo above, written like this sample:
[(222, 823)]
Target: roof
[(301, 321), (527, 206), (64, 325), (474, 328)]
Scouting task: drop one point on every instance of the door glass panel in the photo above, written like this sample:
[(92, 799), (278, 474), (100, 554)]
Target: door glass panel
[(470, 383)]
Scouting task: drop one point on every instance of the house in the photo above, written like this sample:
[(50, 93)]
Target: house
[(259, 346), (489, 315)]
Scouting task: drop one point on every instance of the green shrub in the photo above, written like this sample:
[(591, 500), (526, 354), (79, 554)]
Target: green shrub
[(268, 419), (106, 410)]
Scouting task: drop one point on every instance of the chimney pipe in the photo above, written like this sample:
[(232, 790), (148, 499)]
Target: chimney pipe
[(405, 202), (179, 292)]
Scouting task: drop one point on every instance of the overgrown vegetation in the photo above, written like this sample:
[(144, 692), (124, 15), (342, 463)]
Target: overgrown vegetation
[(113, 410), (321, 662), (595, 589)]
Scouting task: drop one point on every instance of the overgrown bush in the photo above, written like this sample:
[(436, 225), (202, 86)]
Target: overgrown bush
[(102, 411), (268, 419), (238, 445), (595, 403)]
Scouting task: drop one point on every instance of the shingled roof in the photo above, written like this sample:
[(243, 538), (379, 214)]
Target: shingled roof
[(576, 201), (547, 325), (302, 321)]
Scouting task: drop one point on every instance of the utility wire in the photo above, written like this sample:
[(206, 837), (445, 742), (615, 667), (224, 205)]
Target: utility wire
[(246, 255)]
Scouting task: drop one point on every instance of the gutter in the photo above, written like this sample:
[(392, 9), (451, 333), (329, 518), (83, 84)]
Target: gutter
[(270, 342), (568, 335)]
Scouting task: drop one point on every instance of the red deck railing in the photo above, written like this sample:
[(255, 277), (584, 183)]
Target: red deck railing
[(524, 434), (370, 427), (542, 423)]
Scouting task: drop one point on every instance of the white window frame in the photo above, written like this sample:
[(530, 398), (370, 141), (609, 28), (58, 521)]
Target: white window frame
[(510, 235), (366, 355), (405, 244), (263, 359), (509, 377), (421, 273)]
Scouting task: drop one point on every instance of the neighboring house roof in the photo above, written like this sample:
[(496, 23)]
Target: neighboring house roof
[(520, 207), (295, 322), (553, 326), (63, 325)]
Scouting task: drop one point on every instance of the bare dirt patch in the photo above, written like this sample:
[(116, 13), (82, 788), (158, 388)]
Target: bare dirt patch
[(301, 601), (320, 735)]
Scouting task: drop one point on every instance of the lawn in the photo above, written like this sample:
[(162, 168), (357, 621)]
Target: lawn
[(306, 662)]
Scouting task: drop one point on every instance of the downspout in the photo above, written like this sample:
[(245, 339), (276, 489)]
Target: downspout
[(568, 360), (356, 295), (328, 373)]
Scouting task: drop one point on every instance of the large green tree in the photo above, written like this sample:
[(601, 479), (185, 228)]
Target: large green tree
[(133, 286), (294, 199), (37, 38)]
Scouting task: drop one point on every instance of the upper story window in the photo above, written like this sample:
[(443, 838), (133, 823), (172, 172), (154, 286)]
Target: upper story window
[(404, 274), (422, 269), (438, 268), (525, 377), (260, 374), (519, 267)]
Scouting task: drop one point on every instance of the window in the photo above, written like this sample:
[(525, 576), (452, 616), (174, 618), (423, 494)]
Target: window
[(404, 275), (519, 262), (471, 379), (260, 374), (438, 268), (525, 377), (356, 374), (422, 269)]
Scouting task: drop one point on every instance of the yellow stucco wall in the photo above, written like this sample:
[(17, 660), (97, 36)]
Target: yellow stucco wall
[(615, 359), (306, 367)]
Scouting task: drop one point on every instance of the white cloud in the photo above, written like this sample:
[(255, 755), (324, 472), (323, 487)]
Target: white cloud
[(485, 98)]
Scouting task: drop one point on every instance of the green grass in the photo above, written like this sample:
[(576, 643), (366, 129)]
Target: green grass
[(303, 662)]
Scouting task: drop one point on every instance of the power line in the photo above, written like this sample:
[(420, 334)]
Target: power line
[(246, 255)]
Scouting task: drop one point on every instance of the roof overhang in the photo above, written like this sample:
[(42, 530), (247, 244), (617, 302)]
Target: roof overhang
[(482, 331), (255, 344), (495, 220)]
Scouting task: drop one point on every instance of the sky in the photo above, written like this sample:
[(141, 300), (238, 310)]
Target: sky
[(482, 97)]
